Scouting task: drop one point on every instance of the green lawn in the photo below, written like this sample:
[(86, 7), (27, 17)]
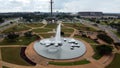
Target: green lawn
[(4, 67), (17, 28), (42, 30), (74, 25), (12, 55), (118, 21), (47, 35), (67, 35), (21, 41), (52, 26), (115, 63), (4, 26), (117, 34), (67, 30), (79, 26), (86, 39), (35, 24), (81, 62), (96, 55)]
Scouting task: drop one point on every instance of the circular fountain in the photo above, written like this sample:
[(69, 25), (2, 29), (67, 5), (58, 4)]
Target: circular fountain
[(59, 47)]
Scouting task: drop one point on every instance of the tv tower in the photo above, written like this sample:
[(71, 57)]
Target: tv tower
[(51, 7)]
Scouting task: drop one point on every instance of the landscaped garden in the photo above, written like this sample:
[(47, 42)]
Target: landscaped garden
[(42, 30), (47, 35), (19, 41), (96, 56), (105, 38), (85, 39), (52, 26), (5, 67), (35, 24), (118, 34), (115, 63), (67, 30), (12, 55), (79, 26), (18, 28)]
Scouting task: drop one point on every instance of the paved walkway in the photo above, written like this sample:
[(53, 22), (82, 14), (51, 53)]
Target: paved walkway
[(72, 35)]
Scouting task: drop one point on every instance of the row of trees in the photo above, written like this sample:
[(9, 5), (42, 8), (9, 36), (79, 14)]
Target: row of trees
[(104, 49), (116, 26), (105, 38), (13, 37), (1, 20)]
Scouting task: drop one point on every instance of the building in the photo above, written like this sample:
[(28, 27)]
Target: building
[(91, 14), (98, 15)]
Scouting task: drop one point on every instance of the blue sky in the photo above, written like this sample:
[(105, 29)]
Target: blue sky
[(110, 6)]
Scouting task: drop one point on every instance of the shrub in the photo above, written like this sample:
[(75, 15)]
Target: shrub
[(104, 50), (105, 38)]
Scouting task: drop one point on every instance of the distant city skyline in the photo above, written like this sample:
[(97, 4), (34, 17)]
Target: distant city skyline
[(106, 6)]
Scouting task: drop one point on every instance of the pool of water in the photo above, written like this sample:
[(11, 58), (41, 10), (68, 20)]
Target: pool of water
[(66, 50)]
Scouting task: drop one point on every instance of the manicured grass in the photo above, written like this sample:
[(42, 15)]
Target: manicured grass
[(4, 26), (117, 34), (47, 35), (41, 30), (96, 56), (103, 23), (52, 26), (74, 25), (12, 55), (67, 35), (86, 39), (21, 41), (79, 26), (4, 67), (81, 62), (67, 30), (35, 24), (17, 28), (118, 21), (115, 63)]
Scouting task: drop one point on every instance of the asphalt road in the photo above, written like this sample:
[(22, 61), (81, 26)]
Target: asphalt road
[(8, 22), (105, 28)]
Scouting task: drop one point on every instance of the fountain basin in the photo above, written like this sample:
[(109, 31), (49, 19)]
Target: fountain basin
[(69, 48)]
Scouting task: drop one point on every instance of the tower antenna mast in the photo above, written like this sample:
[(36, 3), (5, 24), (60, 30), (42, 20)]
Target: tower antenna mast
[(51, 7)]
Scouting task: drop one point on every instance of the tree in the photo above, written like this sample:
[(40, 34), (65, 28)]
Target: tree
[(12, 36), (11, 22), (105, 38), (1, 20), (28, 34), (37, 37), (104, 49), (98, 22)]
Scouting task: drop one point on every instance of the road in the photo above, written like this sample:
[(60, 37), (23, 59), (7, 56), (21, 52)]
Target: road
[(8, 22), (105, 28)]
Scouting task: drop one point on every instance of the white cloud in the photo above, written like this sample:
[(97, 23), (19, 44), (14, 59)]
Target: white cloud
[(60, 5), (92, 5)]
